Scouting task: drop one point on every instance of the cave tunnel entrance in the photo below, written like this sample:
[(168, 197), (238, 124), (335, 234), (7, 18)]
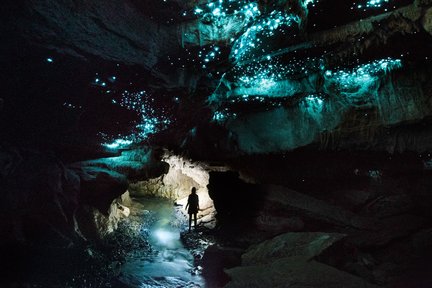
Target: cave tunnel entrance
[(176, 185), (157, 212)]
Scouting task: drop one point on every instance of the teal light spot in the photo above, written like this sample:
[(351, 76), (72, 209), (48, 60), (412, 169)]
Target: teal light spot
[(150, 121), (253, 39), (307, 2), (216, 12), (376, 3), (372, 4), (270, 78), (223, 115), (364, 74), (313, 105), (117, 144), (359, 82)]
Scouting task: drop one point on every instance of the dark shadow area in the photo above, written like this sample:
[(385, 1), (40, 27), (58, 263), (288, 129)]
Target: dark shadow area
[(236, 202)]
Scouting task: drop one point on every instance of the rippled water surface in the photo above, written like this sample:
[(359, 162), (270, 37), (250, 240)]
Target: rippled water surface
[(171, 265)]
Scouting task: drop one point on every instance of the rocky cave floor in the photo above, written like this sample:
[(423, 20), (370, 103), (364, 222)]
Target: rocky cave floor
[(266, 236), (102, 264)]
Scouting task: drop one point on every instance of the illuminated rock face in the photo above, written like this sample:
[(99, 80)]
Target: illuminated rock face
[(94, 224), (286, 128), (176, 185), (427, 21), (245, 61), (60, 204)]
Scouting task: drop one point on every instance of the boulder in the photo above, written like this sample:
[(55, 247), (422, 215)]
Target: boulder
[(352, 198), (312, 208), (275, 224), (96, 225), (100, 186), (215, 259), (305, 244), (427, 20), (389, 206), (387, 230), (293, 272)]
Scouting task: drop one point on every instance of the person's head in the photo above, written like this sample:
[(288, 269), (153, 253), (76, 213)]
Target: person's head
[(193, 190)]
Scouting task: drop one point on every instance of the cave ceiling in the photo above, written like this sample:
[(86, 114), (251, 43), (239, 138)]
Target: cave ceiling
[(224, 77)]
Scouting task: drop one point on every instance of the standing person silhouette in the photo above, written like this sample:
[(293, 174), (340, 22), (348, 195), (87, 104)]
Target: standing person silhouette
[(193, 203)]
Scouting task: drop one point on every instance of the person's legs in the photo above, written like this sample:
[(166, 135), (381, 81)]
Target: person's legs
[(195, 219), (190, 221)]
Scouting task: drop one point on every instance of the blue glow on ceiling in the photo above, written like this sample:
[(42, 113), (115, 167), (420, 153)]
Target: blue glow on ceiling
[(358, 81), (371, 4), (313, 105), (151, 121), (254, 38), (209, 54), (265, 74), (272, 79), (376, 3), (151, 117), (118, 144), (218, 11), (223, 115)]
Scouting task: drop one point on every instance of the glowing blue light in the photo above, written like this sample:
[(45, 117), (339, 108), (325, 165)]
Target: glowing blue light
[(307, 2), (119, 143), (216, 12), (361, 81), (376, 3), (364, 73), (255, 35), (270, 78), (222, 116), (315, 99), (372, 4), (150, 119), (313, 105), (212, 54), (50, 60)]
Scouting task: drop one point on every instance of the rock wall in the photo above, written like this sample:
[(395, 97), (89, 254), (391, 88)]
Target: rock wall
[(46, 202), (397, 98), (176, 185), (362, 237)]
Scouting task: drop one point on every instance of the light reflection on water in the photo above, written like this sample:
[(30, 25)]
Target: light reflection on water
[(171, 266), (166, 238)]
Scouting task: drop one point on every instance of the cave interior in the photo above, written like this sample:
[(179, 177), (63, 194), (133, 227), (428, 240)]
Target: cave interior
[(305, 126)]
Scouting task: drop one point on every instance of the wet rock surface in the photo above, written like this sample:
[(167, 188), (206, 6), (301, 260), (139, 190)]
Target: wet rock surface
[(294, 272), (144, 249), (356, 243), (308, 245)]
